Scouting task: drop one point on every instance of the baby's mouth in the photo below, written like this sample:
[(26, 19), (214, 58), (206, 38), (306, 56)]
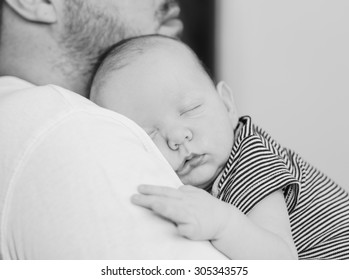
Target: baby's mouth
[(190, 162)]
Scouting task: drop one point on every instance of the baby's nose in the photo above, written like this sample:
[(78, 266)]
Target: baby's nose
[(177, 137)]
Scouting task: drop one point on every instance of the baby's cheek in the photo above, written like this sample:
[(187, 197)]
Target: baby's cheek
[(163, 148), (170, 157)]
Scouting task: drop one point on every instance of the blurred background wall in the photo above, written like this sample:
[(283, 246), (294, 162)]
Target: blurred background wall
[(288, 65), (199, 21)]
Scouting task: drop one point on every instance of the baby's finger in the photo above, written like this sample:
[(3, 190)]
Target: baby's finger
[(153, 202), (142, 200), (165, 207), (173, 211), (190, 189), (187, 188), (159, 191)]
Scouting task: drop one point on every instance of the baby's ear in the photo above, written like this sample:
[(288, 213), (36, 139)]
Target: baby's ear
[(227, 96)]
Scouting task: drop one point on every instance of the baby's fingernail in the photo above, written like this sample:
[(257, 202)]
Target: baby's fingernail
[(142, 188), (135, 198)]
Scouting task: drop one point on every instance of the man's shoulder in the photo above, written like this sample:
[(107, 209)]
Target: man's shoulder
[(30, 115), (24, 104), (16, 93)]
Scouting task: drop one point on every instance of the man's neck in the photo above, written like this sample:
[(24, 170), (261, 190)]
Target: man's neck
[(42, 64), (32, 52), (40, 73)]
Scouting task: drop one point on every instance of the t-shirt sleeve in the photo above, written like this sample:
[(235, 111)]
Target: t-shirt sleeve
[(70, 198), (255, 173)]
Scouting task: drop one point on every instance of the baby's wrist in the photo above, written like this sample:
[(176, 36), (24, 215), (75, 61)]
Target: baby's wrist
[(223, 222)]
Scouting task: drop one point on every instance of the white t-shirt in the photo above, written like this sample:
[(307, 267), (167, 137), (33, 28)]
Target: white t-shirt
[(67, 171)]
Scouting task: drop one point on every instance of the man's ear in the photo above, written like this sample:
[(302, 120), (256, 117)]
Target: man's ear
[(227, 96), (34, 10)]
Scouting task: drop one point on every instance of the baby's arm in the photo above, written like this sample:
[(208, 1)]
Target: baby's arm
[(263, 234)]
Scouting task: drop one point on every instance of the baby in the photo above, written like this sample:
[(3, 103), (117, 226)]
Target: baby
[(265, 201)]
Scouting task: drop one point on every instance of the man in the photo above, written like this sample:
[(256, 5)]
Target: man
[(68, 167), (61, 40)]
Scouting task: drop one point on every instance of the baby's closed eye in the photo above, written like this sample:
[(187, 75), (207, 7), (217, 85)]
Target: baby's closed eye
[(191, 110)]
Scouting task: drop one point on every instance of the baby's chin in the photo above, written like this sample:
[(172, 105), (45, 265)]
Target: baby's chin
[(202, 177), (202, 183)]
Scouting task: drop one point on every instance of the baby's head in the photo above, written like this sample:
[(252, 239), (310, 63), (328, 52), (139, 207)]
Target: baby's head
[(159, 83)]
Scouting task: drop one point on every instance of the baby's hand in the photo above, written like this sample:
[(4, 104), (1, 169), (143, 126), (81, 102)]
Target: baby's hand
[(197, 214)]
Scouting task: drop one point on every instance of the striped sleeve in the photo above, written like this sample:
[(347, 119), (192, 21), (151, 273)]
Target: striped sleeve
[(253, 172)]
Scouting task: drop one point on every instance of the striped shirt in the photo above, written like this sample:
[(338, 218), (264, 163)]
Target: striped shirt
[(318, 208)]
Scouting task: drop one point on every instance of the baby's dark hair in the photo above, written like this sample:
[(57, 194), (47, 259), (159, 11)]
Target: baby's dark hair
[(125, 52)]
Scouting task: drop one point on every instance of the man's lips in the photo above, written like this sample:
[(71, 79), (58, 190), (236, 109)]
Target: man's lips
[(170, 23), (172, 13), (190, 162)]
